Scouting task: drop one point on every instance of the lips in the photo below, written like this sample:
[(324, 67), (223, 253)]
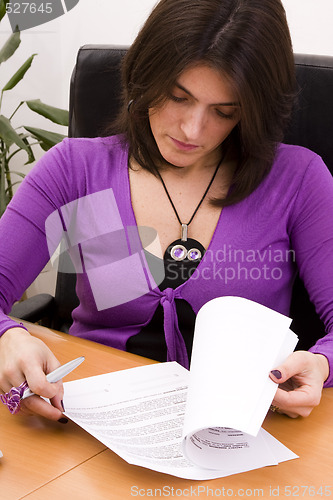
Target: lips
[(184, 146)]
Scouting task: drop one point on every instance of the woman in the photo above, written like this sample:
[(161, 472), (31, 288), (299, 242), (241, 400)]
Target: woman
[(209, 87)]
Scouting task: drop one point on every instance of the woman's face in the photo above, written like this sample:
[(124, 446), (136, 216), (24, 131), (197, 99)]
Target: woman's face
[(194, 120)]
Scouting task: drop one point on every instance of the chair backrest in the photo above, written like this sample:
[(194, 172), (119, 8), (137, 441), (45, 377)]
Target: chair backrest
[(94, 100), (311, 127)]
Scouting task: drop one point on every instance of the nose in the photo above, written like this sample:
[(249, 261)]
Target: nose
[(193, 123)]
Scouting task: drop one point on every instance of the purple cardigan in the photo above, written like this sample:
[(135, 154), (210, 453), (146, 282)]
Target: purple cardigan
[(79, 194)]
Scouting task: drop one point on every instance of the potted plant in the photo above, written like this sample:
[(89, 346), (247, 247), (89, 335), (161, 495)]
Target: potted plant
[(23, 138)]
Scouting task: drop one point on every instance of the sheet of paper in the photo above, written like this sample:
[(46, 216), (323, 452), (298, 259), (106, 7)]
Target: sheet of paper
[(232, 451), (139, 414), (237, 342)]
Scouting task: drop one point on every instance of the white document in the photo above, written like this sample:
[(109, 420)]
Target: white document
[(201, 424), (236, 344)]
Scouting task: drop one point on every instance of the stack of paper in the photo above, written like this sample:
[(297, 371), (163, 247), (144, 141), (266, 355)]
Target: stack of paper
[(201, 424)]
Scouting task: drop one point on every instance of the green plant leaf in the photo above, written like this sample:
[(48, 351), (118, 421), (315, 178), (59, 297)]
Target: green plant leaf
[(9, 135), (15, 79), (3, 4), (20, 174), (10, 47), (3, 196), (8, 197), (31, 156), (56, 115), (47, 139)]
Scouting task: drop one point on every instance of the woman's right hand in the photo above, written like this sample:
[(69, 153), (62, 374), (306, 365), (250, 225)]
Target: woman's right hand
[(24, 357)]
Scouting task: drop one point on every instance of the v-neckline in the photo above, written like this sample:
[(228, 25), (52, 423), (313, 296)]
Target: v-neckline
[(133, 217)]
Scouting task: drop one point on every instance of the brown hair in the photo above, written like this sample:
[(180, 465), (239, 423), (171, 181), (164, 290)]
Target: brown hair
[(246, 40)]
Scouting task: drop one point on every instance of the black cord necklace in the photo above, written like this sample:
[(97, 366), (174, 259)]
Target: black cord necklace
[(186, 249)]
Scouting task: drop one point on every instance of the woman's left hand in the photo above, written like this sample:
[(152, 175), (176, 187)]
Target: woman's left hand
[(300, 385)]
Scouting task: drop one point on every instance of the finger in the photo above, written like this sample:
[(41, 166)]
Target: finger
[(53, 391), (288, 399), (7, 384), (36, 377), (294, 403), (294, 413), (11, 376), (296, 363), (57, 400), (37, 405), (282, 411), (288, 413), (39, 384)]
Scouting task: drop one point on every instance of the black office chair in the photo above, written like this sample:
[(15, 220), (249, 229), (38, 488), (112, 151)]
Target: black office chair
[(94, 101)]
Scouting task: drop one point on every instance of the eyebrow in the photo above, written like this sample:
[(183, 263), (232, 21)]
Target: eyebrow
[(216, 104)]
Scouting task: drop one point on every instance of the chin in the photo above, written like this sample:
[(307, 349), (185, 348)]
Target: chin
[(179, 164), (178, 160)]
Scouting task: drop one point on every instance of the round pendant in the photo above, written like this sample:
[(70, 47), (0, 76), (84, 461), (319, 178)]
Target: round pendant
[(194, 254), (181, 259), (190, 250), (178, 252)]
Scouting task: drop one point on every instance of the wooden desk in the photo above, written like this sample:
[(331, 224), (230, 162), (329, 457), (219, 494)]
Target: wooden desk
[(50, 461)]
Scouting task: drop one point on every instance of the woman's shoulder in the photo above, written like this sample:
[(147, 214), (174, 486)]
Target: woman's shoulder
[(76, 156), (70, 167), (75, 152), (297, 157), (294, 164), (297, 172), (115, 144)]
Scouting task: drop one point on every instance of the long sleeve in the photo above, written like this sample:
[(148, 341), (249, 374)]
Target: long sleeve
[(312, 239), (23, 246)]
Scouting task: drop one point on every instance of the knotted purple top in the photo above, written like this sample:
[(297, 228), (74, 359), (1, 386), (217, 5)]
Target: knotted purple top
[(79, 193)]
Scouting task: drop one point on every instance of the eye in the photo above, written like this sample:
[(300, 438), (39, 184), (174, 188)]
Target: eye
[(225, 115), (175, 98)]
